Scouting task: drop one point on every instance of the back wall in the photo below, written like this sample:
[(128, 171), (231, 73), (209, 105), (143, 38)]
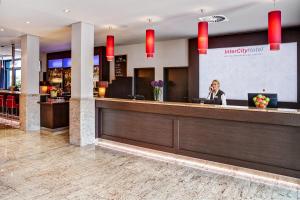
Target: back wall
[(238, 40)]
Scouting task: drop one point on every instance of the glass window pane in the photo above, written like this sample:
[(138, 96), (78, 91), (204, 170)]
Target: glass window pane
[(17, 63), (18, 78), (9, 79), (7, 64)]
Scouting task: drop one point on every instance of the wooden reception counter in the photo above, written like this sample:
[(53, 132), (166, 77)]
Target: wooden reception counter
[(267, 140)]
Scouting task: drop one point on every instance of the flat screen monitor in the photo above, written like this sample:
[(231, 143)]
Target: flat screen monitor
[(96, 60), (55, 63), (273, 99), (66, 62)]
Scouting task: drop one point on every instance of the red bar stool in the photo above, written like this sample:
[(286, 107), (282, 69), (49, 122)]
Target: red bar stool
[(2, 103), (11, 105)]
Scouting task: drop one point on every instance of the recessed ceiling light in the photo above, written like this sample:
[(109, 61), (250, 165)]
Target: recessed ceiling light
[(1, 29), (214, 18), (28, 22), (110, 26), (67, 10), (154, 19)]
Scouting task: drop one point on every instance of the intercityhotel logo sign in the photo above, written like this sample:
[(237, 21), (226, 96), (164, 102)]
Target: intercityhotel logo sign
[(244, 51)]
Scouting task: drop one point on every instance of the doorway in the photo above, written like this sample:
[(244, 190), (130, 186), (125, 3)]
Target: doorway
[(142, 82), (176, 84)]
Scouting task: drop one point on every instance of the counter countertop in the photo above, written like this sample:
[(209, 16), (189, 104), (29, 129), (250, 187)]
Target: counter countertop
[(10, 92), (50, 103), (241, 108)]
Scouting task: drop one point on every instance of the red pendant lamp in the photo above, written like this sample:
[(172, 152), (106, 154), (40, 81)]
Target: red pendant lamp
[(202, 37), (274, 30), (110, 45), (150, 43)]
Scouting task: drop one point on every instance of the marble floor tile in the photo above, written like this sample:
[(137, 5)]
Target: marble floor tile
[(44, 166)]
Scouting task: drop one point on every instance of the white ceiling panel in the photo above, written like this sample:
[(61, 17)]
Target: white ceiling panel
[(175, 18)]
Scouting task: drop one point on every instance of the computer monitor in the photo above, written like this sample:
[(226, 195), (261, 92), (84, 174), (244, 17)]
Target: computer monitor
[(273, 99)]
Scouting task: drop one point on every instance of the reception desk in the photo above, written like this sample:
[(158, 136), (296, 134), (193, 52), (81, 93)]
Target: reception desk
[(266, 140)]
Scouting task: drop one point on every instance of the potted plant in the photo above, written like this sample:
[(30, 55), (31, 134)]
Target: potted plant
[(53, 92), (157, 86)]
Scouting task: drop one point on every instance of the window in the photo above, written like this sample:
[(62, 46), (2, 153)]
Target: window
[(8, 73)]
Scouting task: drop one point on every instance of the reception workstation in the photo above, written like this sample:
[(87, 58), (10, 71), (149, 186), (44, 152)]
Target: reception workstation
[(182, 117), (266, 140), (239, 134)]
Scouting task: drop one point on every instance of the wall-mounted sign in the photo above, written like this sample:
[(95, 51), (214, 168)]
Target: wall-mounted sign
[(121, 66), (251, 69)]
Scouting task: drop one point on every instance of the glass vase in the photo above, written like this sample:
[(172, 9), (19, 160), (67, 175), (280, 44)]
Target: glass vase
[(156, 94)]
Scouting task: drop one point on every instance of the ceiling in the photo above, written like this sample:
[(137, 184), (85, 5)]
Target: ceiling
[(172, 19)]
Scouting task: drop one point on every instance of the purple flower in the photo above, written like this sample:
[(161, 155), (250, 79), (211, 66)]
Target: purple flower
[(152, 83), (160, 83), (156, 84)]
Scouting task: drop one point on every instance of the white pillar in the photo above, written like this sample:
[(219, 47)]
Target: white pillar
[(30, 64), (82, 103)]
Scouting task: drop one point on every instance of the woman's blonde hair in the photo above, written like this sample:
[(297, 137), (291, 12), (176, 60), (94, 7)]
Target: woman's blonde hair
[(216, 81)]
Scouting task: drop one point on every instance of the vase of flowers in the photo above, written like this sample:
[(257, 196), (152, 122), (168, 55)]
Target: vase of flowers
[(157, 86)]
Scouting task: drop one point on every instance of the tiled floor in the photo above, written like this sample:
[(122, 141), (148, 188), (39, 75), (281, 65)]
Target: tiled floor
[(44, 166)]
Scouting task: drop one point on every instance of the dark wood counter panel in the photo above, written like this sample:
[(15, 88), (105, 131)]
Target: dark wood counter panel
[(266, 140), (54, 115)]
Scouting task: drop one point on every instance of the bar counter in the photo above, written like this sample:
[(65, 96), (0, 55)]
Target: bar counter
[(262, 139), (10, 92), (54, 115)]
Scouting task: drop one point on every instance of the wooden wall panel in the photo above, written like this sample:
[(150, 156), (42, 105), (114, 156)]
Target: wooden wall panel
[(259, 143), (148, 128), (193, 72)]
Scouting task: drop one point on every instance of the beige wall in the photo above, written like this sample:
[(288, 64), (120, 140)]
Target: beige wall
[(172, 53)]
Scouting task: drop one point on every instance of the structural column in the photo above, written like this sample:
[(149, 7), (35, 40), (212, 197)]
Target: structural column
[(82, 103), (29, 107)]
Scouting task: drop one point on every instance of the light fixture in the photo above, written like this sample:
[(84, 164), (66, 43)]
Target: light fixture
[(27, 22), (274, 29), (102, 88), (1, 29), (202, 37), (110, 45), (67, 10), (43, 89), (150, 42)]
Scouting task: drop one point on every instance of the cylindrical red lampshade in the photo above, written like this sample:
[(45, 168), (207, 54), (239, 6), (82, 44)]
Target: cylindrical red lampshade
[(274, 31), (110, 43), (202, 37), (150, 43)]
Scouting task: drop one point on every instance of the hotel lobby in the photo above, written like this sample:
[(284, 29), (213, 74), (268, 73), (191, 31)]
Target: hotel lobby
[(154, 100)]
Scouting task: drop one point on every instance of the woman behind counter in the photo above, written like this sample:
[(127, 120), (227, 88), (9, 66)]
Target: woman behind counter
[(216, 96)]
